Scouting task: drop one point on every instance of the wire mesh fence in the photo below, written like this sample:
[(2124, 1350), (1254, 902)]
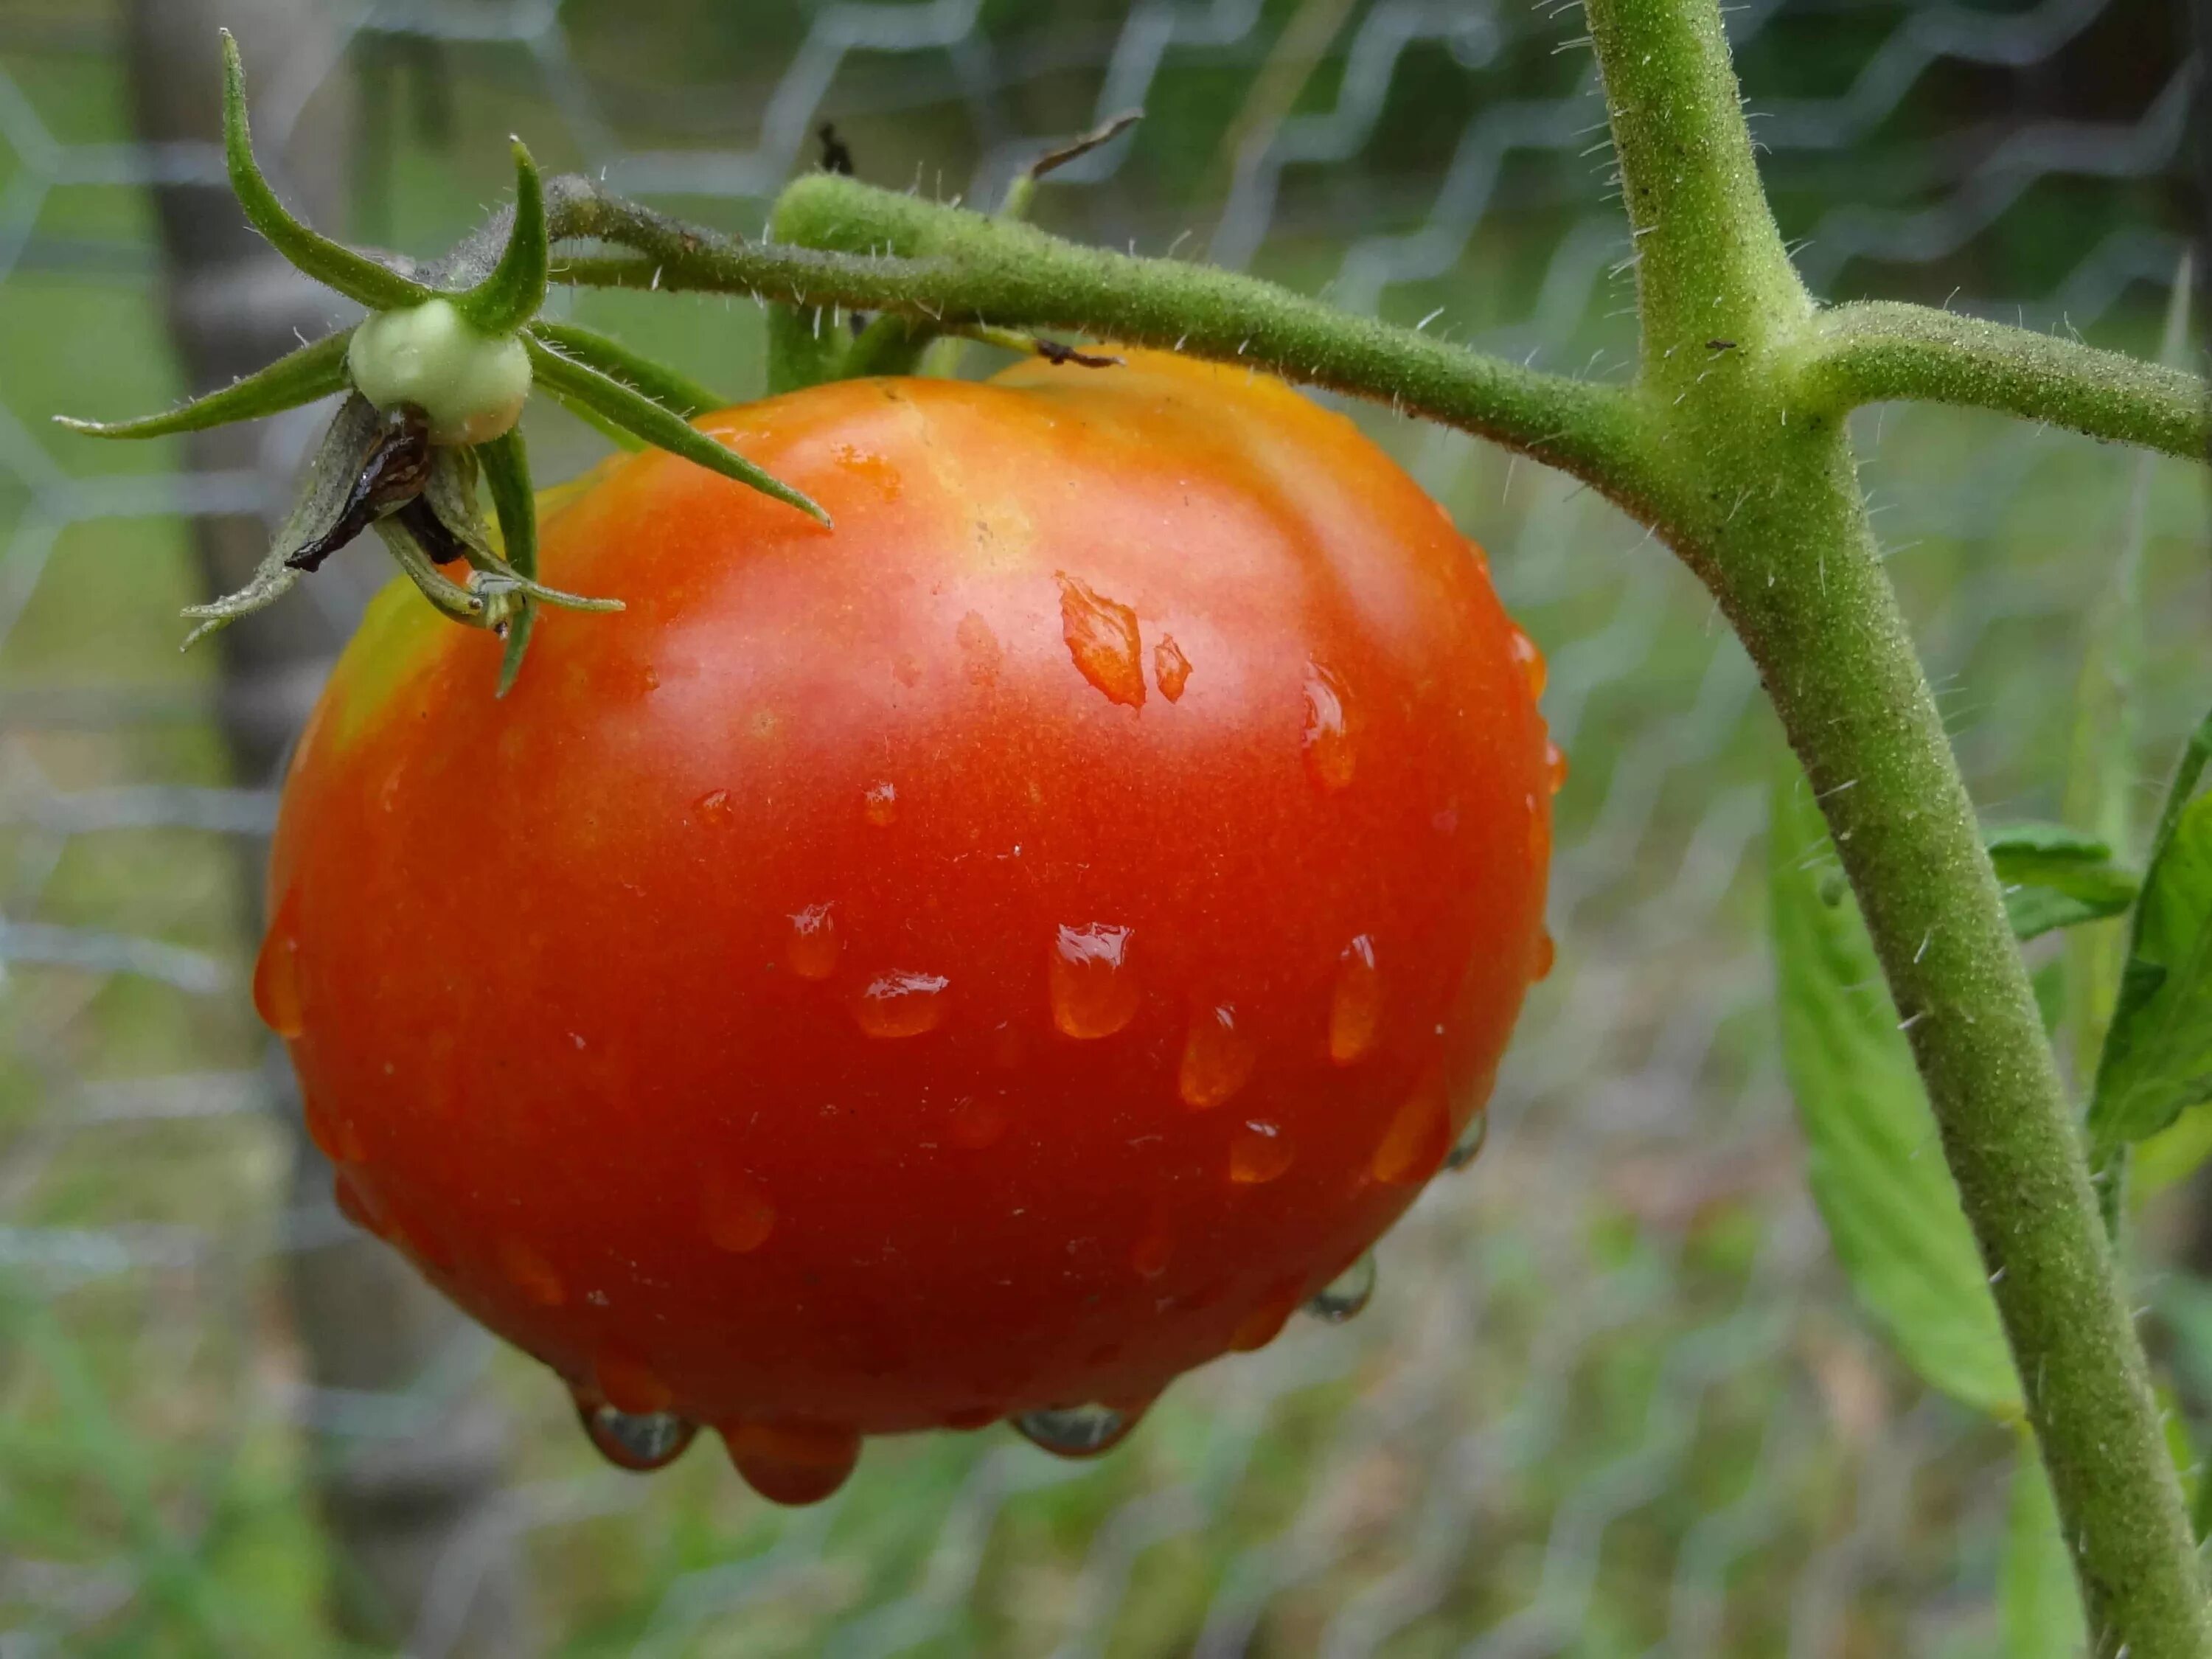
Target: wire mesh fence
[(1611, 1397)]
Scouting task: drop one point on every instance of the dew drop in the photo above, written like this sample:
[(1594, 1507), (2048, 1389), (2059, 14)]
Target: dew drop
[(1555, 766), (1217, 1058), (336, 1136), (902, 1003), (1420, 1133), (639, 1442), (1468, 1147), (357, 1204), (792, 1463), (1102, 638), (530, 1273), (738, 1215), (1347, 1295), (714, 807), (1155, 1247), (1524, 651), (1259, 1152), (1094, 994), (1265, 1322), (277, 977), (812, 948), (978, 1121), (1076, 1431), (631, 1385), (1547, 951), (1330, 756), (879, 801), (1171, 668), (1355, 1008)]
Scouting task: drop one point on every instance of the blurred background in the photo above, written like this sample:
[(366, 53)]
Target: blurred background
[(1612, 1397)]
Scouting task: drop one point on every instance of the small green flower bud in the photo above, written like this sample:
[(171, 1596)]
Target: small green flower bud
[(471, 388)]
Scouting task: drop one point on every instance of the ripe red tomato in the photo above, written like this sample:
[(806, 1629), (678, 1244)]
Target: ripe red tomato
[(981, 961)]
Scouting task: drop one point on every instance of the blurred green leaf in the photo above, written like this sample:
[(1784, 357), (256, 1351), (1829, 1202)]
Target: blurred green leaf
[(2157, 1061), (1876, 1167), (2040, 1605), (2057, 877)]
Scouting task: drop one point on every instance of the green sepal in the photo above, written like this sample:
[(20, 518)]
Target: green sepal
[(676, 393), (351, 438), (298, 377), (357, 276), (505, 462), (463, 604), (631, 410), (511, 295)]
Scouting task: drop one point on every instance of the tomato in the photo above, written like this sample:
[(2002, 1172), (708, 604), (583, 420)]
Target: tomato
[(977, 961)]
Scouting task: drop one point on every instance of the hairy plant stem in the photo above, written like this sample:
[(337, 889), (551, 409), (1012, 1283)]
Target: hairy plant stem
[(1731, 444)]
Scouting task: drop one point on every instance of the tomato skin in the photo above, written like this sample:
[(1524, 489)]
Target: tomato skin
[(798, 1004)]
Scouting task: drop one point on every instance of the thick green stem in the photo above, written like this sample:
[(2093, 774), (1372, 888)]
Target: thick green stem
[(1765, 506)]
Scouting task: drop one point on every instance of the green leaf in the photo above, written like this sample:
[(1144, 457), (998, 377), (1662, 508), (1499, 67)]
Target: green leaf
[(1876, 1170), (298, 377), (672, 391), (635, 412), (357, 276), (510, 295), (2057, 877), (2038, 1602), (2157, 1061)]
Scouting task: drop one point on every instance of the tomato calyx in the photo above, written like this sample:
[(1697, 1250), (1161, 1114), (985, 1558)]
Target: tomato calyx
[(435, 380)]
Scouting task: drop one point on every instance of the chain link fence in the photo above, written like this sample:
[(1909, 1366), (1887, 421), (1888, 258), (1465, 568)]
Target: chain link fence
[(1611, 1398)]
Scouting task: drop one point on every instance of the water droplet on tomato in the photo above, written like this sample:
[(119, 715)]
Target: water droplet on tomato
[(640, 1441), (1355, 1007), (879, 801), (530, 1273), (277, 977), (336, 1136), (1217, 1058), (900, 1004), (1093, 995), (792, 1463), (631, 1385), (1171, 668), (714, 807), (978, 1121), (1420, 1133), (1555, 765), (1524, 651), (1330, 756), (1076, 1431), (812, 948), (1155, 1247), (1265, 1322), (1468, 1147), (1102, 638), (1259, 1152), (1547, 951), (738, 1215), (357, 1203), (1347, 1295)]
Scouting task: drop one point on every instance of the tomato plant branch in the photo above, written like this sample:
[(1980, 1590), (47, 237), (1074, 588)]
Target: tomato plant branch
[(1764, 503), (874, 249), (1868, 353)]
